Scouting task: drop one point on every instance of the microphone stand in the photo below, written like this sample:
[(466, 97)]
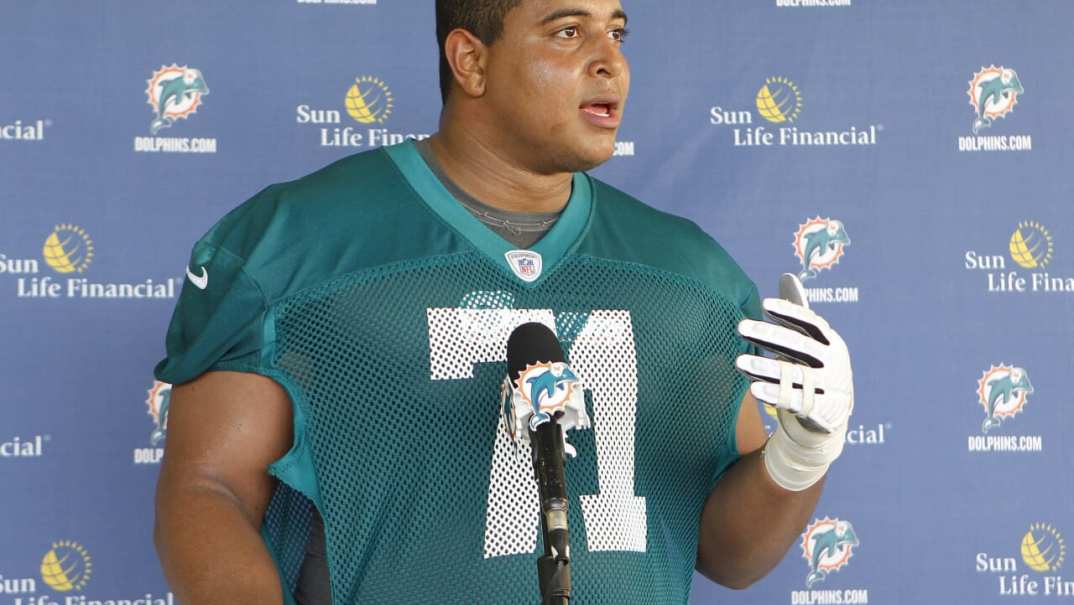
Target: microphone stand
[(554, 568)]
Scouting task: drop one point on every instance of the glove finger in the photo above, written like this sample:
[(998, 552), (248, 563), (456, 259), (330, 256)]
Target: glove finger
[(783, 341), (769, 370), (797, 318), (831, 414), (770, 393)]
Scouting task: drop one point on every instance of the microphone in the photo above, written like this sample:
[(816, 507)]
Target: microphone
[(540, 392)]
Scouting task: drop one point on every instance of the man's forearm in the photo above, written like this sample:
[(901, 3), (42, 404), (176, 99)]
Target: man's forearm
[(210, 552), (748, 523)]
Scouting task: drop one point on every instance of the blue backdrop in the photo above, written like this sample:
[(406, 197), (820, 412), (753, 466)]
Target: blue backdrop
[(930, 141)]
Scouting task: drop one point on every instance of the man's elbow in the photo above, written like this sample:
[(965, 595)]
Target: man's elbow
[(735, 579)]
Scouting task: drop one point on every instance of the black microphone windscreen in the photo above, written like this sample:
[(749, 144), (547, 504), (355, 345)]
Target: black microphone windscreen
[(531, 343)]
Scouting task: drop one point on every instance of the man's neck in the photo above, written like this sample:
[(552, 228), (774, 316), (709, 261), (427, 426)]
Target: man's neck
[(492, 177)]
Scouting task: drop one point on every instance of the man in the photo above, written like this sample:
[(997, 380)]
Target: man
[(338, 353)]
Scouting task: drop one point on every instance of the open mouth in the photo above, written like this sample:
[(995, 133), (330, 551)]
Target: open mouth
[(599, 109)]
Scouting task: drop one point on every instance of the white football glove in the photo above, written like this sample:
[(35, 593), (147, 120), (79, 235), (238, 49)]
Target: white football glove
[(810, 384)]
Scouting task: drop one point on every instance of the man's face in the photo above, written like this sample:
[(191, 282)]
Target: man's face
[(558, 81)]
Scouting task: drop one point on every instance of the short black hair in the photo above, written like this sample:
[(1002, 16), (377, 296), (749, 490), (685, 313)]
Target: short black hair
[(482, 18)]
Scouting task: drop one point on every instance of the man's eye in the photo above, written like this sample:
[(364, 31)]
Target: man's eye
[(568, 32), (619, 35)]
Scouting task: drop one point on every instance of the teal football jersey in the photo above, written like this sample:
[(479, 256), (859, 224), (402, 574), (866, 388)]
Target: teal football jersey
[(383, 308)]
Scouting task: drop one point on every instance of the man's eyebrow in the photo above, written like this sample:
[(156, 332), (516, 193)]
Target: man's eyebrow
[(578, 12)]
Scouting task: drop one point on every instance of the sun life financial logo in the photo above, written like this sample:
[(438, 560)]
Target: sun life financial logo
[(24, 447), (818, 244), (779, 101), (1043, 550), (1031, 247), (1003, 391), (24, 131), (369, 103), (872, 434), (827, 545), (68, 251), (993, 92), (157, 402), (66, 567), (174, 92)]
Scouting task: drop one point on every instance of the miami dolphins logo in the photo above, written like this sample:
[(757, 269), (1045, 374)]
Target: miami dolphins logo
[(160, 397), (827, 545), (546, 388), (1003, 391), (819, 244), (993, 93), (174, 93), (543, 391)]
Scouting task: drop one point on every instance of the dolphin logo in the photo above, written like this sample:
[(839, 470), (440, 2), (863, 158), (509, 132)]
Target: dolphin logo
[(826, 544), (546, 385), (1003, 390), (175, 92), (816, 244), (994, 91)]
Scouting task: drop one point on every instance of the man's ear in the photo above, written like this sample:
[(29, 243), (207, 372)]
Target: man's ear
[(468, 58)]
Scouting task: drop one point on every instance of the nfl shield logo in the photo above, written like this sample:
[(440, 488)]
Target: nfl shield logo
[(525, 263)]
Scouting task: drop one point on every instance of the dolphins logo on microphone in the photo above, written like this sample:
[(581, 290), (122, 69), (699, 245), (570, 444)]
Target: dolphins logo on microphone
[(541, 391)]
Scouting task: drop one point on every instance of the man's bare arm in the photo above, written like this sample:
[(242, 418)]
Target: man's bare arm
[(749, 521), (224, 429)]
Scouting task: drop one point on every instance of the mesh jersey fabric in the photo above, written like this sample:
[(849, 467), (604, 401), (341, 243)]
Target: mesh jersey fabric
[(383, 309)]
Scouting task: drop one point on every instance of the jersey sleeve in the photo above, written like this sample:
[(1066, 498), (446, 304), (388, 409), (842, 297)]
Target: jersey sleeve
[(219, 319), (218, 322)]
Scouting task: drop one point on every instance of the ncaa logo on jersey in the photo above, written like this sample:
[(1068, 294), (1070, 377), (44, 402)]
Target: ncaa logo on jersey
[(525, 263)]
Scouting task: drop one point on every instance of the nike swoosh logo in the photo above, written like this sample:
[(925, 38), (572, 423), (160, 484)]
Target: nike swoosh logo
[(200, 282)]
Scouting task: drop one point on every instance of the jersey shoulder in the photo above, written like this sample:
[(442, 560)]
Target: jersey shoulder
[(349, 215), (625, 228)]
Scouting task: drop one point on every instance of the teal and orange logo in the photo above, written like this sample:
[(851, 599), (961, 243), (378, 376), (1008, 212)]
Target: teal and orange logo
[(819, 243), (174, 92), (1003, 390), (993, 94), (827, 545)]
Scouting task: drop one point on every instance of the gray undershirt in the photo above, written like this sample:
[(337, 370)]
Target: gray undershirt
[(522, 229)]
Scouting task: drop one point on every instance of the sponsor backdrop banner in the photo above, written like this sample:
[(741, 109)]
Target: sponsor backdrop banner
[(910, 160)]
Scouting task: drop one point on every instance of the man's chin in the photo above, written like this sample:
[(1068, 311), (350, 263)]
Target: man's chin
[(587, 156)]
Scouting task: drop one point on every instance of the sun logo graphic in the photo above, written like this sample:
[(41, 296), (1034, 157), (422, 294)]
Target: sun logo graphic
[(1043, 548), (68, 249), (1031, 245), (993, 94), (819, 243), (779, 101), (1003, 391), (369, 100), (66, 566), (174, 93), (160, 396), (827, 545)]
